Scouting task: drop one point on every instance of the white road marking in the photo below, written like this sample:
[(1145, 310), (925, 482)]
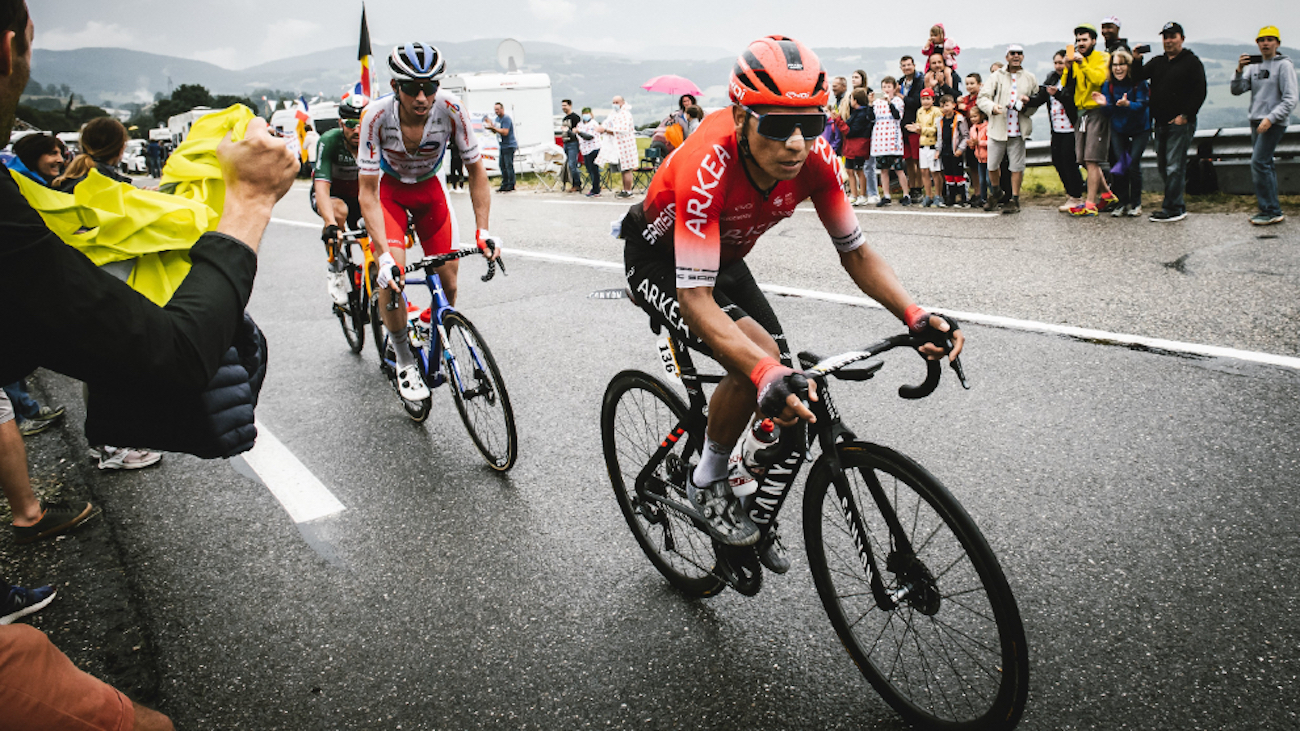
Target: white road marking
[(1173, 346), (303, 496)]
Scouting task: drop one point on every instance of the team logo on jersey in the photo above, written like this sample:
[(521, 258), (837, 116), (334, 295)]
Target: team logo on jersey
[(453, 106)]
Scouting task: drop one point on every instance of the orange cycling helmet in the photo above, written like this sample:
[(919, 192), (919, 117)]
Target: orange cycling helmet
[(779, 71)]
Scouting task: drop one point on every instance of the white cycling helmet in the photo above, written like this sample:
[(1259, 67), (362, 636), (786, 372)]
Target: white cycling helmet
[(416, 61), (353, 106)]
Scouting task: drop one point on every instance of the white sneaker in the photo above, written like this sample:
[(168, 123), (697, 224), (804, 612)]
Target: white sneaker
[(123, 458), (1135, 211), (337, 283), (411, 385), (1119, 212), (873, 200)]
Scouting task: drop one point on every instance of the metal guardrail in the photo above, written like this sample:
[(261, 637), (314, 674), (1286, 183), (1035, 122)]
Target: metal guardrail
[(1229, 150)]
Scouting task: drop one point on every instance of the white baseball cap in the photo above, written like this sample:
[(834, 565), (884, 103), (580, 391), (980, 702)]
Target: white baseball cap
[(1015, 47), (1111, 20)]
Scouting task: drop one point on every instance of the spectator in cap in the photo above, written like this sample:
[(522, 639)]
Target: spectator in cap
[(1272, 84), (1088, 68), (1007, 100), (1110, 31), (1177, 92)]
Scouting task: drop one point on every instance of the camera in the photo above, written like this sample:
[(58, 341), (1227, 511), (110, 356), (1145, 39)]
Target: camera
[(1144, 48)]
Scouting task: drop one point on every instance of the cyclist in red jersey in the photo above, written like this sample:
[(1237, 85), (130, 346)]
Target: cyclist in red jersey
[(404, 139), (738, 175)]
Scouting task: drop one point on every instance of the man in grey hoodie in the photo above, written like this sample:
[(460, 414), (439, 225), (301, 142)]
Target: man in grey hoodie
[(1273, 93)]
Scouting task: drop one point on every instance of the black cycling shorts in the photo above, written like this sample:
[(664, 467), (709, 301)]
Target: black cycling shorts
[(353, 204), (651, 272)]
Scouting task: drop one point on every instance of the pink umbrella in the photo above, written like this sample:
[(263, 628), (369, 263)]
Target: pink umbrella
[(670, 84)]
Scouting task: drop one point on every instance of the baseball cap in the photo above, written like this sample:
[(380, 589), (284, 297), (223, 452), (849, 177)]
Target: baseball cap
[(1172, 27), (1087, 27), (1111, 20), (1267, 31), (927, 92), (1015, 47)]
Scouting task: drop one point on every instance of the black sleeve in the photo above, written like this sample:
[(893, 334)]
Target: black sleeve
[(1196, 91), (59, 311)]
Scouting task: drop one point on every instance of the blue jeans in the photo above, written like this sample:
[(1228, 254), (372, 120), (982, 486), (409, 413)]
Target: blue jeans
[(508, 169), (1172, 141), (25, 407), (571, 159), (1262, 173), (1128, 187), (869, 170)]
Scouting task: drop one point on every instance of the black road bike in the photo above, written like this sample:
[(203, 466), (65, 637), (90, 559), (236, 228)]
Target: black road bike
[(913, 590)]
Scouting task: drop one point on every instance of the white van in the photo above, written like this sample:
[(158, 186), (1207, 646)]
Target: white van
[(527, 100)]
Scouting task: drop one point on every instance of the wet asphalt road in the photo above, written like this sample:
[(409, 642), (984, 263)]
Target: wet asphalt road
[(1143, 505)]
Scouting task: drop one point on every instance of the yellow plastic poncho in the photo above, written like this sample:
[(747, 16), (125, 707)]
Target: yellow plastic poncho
[(110, 221)]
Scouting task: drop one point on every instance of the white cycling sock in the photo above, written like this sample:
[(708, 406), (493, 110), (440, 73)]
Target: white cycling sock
[(713, 463), (402, 348)]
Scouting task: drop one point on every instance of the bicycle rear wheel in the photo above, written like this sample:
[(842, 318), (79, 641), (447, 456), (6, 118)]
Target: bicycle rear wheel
[(639, 414), (480, 393), (951, 651)]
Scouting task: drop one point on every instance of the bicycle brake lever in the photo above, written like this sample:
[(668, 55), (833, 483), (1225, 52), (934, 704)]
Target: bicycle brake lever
[(955, 364)]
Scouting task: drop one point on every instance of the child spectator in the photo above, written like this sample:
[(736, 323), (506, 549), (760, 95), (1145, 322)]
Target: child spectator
[(979, 145), (1124, 100), (868, 166), (964, 105), (940, 43), (927, 129), (953, 133), (887, 140), (857, 144)]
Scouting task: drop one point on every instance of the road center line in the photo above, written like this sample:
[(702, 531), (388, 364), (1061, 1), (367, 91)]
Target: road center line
[(1173, 346), (303, 496)]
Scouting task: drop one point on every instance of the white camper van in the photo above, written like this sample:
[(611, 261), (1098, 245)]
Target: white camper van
[(527, 100), (179, 124)]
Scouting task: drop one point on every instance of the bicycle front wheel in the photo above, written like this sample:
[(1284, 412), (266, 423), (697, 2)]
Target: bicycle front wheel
[(638, 415), (480, 393), (352, 319), (949, 651)]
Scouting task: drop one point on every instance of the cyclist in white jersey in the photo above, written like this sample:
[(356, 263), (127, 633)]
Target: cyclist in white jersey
[(404, 140)]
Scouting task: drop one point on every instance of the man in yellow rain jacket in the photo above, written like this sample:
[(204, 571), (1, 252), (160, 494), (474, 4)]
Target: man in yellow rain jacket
[(1088, 67)]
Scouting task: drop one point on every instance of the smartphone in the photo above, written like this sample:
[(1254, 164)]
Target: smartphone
[(1256, 59), (1069, 53), (1145, 48)]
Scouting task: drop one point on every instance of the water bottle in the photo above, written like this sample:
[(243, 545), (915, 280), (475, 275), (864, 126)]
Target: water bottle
[(762, 435)]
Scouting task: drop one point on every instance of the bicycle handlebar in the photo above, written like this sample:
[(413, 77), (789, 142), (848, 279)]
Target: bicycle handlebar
[(835, 365)]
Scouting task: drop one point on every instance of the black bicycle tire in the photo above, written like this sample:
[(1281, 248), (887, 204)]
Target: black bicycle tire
[(377, 329), (1011, 675), (353, 332), (706, 584), (495, 458)]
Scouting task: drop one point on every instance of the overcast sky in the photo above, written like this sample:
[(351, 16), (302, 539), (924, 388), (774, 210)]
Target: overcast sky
[(241, 33)]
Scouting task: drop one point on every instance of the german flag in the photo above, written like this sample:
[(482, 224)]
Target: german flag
[(363, 53)]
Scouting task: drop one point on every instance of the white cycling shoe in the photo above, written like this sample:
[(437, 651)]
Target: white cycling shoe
[(411, 385)]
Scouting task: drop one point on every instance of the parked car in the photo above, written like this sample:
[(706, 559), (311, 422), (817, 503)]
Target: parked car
[(133, 160)]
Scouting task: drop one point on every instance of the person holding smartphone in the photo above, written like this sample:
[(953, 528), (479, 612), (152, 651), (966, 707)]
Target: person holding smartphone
[(1271, 79)]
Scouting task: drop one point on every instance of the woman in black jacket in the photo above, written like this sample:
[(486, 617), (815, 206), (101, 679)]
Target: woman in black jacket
[(1063, 116)]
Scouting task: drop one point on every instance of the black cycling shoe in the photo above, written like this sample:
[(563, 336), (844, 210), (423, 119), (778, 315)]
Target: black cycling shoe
[(772, 553), (724, 516)]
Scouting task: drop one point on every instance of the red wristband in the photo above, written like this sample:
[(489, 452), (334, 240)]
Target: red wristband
[(913, 316), (761, 369)]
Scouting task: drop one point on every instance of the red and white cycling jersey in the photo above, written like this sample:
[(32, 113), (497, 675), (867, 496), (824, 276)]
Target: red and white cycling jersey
[(382, 149), (703, 204)]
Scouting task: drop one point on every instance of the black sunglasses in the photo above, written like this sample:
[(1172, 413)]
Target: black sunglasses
[(780, 126), (1015, 53), (413, 88)]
